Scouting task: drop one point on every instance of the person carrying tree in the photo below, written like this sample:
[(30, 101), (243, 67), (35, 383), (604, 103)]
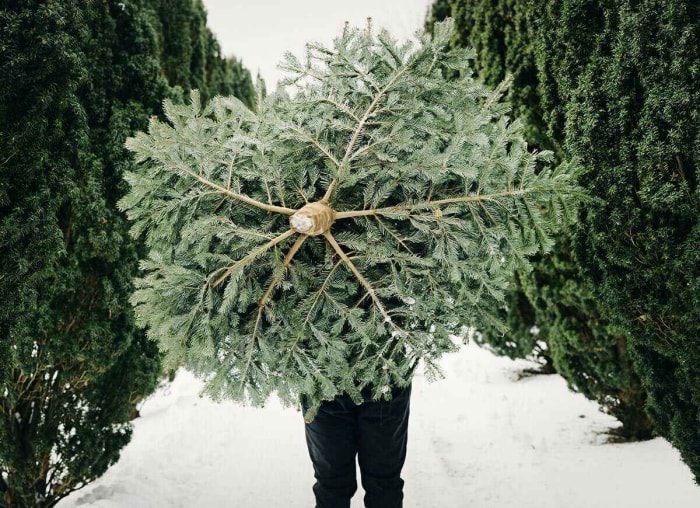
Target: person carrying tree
[(323, 244)]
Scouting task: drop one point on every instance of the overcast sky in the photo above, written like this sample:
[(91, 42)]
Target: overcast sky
[(260, 31)]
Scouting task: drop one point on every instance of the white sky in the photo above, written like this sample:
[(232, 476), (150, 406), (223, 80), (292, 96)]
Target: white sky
[(260, 31)]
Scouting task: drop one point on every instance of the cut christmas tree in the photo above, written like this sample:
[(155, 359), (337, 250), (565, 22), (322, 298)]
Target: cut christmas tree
[(337, 236)]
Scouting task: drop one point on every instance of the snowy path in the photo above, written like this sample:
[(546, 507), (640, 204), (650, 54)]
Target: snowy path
[(477, 439)]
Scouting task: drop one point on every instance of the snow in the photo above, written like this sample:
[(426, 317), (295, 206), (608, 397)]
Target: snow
[(479, 438)]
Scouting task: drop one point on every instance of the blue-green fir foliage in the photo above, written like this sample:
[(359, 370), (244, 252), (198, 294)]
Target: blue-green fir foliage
[(435, 200)]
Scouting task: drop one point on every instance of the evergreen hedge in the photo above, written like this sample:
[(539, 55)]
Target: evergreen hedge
[(551, 311), (76, 79), (618, 86), (191, 56), (633, 114)]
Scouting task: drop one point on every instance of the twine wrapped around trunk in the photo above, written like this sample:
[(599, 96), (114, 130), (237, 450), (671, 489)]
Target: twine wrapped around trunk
[(313, 219)]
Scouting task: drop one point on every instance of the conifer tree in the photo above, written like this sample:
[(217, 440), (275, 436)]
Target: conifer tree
[(191, 55), (75, 80), (632, 114), (552, 311), (334, 239), (499, 32)]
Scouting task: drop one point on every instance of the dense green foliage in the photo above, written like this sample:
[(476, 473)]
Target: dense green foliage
[(69, 95), (191, 56), (76, 79), (551, 312), (618, 86), (436, 200), (585, 348), (499, 33), (634, 116)]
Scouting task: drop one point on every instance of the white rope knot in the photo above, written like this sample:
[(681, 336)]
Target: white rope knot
[(313, 219)]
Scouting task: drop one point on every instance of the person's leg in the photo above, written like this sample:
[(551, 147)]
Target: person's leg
[(383, 427), (331, 438)]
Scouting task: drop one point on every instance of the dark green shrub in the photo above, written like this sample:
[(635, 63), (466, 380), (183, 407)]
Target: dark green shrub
[(633, 114), (551, 311), (585, 347), (75, 80)]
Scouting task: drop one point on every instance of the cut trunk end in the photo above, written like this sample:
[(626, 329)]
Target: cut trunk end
[(313, 219)]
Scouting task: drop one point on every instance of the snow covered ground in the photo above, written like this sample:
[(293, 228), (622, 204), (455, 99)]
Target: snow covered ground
[(477, 439)]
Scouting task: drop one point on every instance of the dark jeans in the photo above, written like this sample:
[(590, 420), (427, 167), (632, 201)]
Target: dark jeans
[(376, 431)]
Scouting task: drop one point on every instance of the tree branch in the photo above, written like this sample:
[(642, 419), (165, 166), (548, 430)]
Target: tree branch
[(360, 277), (340, 107), (439, 202), (239, 197), (315, 142), (359, 128), (261, 304), (245, 260), (318, 293)]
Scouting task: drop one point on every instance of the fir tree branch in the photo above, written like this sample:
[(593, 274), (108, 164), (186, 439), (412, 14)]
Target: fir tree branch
[(263, 301), (325, 283), (325, 151), (267, 191), (400, 340), (360, 277), (477, 221), (488, 214), (439, 202), (358, 130), (300, 191), (239, 197), (243, 231), (287, 259), (340, 107), (303, 72), (322, 288), (245, 260), (396, 237), (369, 147), (230, 171), (497, 92), (317, 295)]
